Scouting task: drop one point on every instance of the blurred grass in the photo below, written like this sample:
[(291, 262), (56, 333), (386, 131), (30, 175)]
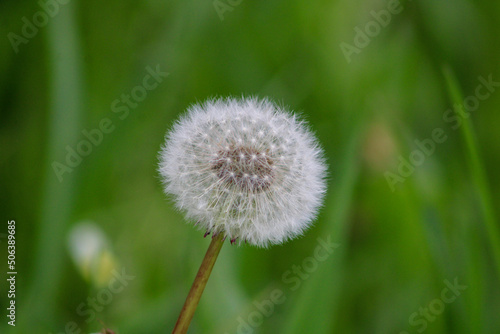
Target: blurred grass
[(477, 168), (397, 247), (65, 113), (319, 294)]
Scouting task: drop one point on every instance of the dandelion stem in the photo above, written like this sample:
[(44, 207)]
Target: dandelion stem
[(198, 286)]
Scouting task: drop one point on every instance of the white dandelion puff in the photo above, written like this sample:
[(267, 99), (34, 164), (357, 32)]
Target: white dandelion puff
[(246, 168)]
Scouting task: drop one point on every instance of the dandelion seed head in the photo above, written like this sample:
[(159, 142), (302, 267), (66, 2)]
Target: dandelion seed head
[(246, 168)]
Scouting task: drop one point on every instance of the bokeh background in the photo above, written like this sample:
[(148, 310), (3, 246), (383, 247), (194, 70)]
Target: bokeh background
[(397, 248)]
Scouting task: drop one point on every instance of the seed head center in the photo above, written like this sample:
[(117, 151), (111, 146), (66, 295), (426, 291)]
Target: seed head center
[(244, 168)]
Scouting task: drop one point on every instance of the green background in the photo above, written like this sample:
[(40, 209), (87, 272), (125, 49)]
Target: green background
[(395, 248)]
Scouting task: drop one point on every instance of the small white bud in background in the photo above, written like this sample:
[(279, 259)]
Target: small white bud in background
[(89, 249)]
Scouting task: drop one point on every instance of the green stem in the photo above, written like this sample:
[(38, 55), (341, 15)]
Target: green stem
[(198, 286)]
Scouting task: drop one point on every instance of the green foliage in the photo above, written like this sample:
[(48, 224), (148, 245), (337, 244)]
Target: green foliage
[(412, 183)]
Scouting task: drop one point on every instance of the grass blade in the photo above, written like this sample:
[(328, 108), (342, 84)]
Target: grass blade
[(64, 126), (477, 168)]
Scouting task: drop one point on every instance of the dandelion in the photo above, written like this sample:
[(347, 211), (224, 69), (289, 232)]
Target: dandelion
[(243, 169)]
